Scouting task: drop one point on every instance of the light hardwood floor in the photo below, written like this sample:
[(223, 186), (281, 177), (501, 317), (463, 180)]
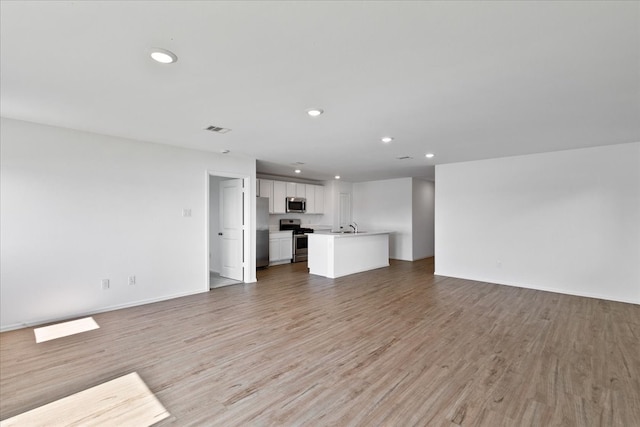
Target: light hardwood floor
[(396, 346)]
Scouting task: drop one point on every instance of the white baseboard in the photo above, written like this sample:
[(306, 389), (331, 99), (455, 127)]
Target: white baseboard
[(31, 323), (542, 288)]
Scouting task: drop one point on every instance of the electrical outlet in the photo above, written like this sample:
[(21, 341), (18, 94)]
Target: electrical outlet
[(499, 264), (132, 280), (105, 284)]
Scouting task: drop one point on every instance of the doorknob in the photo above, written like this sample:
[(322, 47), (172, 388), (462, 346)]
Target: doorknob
[(220, 234)]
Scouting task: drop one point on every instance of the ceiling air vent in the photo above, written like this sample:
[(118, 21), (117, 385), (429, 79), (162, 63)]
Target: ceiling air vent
[(217, 129), (404, 157)]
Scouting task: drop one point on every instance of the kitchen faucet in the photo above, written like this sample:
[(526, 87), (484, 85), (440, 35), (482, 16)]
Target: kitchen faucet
[(354, 226)]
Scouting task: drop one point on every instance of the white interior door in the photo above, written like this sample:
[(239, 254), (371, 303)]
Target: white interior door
[(231, 229)]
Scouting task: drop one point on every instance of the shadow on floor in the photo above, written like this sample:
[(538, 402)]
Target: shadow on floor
[(216, 281)]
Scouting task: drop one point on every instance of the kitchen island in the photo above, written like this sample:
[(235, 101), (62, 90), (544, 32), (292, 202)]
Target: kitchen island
[(340, 254)]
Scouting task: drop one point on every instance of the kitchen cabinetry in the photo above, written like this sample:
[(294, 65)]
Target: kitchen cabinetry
[(311, 199), (279, 194), (278, 191), (315, 199), (295, 189), (265, 189), (319, 199), (291, 189), (280, 247)]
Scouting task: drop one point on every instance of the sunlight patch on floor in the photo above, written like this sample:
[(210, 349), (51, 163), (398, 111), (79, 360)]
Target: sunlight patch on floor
[(124, 401), (65, 329)]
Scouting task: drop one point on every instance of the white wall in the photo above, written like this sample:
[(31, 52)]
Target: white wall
[(332, 190), (423, 222), (78, 207), (566, 221), (386, 205)]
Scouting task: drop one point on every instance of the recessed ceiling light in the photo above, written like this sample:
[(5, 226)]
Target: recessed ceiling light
[(387, 139), (163, 56), (314, 112), (297, 171), (337, 177), (429, 155)]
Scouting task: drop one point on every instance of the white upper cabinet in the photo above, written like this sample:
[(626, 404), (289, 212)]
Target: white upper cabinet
[(311, 199), (291, 189), (315, 198), (278, 191), (265, 189), (296, 190), (279, 194), (319, 199)]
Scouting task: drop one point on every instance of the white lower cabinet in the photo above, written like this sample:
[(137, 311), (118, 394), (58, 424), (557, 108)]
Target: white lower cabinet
[(280, 247)]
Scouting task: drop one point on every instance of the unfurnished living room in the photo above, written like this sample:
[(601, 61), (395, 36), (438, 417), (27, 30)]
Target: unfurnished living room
[(319, 213)]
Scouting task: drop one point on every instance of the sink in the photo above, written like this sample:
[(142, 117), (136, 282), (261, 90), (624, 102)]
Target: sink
[(347, 232)]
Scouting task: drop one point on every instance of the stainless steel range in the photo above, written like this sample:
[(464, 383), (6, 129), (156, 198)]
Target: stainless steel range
[(300, 241)]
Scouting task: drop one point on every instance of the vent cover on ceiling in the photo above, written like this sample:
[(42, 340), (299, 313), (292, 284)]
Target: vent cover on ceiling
[(404, 157), (217, 129)]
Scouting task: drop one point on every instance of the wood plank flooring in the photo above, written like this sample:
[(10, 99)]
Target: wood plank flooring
[(123, 402), (396, 346)]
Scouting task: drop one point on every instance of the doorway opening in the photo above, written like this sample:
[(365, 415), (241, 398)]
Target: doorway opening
[(227, 224)]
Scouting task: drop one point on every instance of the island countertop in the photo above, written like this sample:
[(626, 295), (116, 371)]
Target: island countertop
[(339, 254), (350, 233)]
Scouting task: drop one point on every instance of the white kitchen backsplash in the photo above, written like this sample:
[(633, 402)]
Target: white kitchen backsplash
[(306, 220)]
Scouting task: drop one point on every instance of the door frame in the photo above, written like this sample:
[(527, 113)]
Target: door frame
[(248, 220)]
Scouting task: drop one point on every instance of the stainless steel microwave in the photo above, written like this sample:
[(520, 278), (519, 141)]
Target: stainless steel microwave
[(296, 204)]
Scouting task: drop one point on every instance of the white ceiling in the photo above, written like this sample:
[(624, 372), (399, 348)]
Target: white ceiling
[(465, 80)]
